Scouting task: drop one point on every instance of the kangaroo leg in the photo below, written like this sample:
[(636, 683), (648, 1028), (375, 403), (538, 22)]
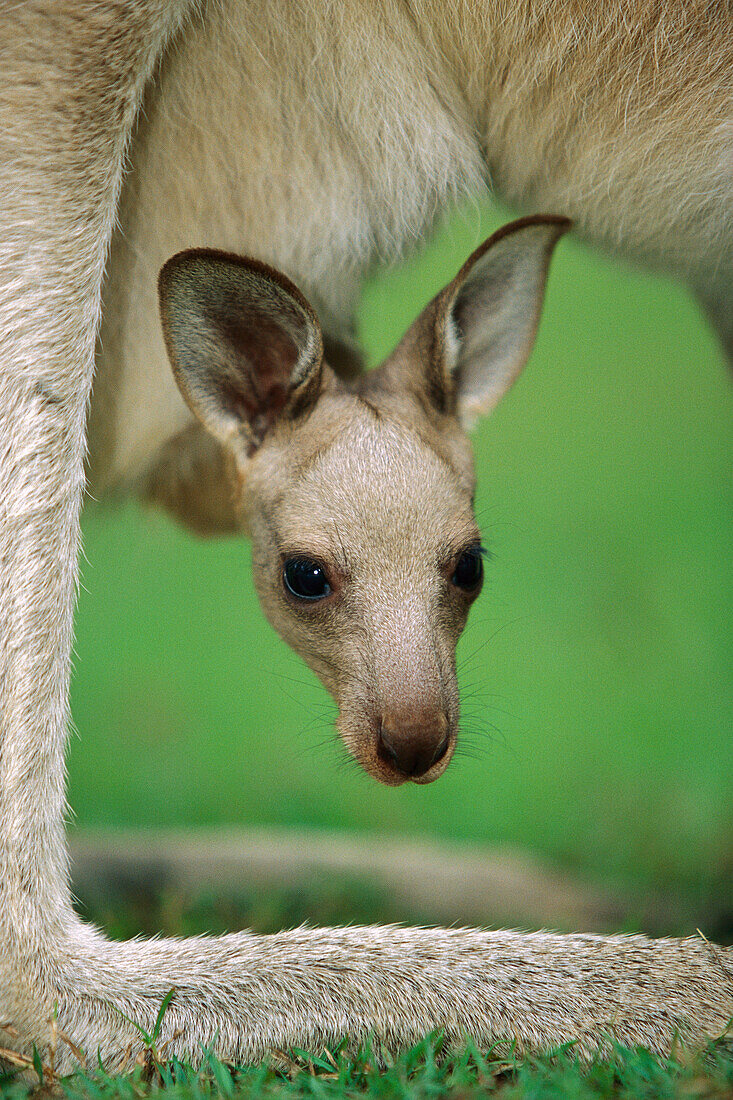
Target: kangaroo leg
[(191, 480), (72, 77)]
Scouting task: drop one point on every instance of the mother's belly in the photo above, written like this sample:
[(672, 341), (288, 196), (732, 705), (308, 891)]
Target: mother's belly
[(253, 142)]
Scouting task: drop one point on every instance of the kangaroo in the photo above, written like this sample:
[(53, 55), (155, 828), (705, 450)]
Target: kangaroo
[(321, 139), (357, 494)]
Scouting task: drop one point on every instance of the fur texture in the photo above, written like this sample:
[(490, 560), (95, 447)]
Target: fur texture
[(321, 137)]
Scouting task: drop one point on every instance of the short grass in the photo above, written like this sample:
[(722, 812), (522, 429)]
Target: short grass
[(596, 668), (424, 1073)]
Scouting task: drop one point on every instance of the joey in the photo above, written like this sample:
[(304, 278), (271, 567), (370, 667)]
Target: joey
[(358, 493)]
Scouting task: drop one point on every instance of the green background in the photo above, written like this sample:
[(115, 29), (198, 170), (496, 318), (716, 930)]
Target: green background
[(596, 667)]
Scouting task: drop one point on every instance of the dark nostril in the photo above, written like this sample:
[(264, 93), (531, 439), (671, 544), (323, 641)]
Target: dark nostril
[(386, 750), (409, 755), (440, 752)]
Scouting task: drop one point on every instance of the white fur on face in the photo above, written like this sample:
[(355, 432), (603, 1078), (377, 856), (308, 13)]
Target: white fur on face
[(386, 515)]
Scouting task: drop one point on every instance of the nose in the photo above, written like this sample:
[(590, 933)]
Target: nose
[(410, 745)]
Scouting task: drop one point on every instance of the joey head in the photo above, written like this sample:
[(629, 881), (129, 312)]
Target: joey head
[(358, 493)]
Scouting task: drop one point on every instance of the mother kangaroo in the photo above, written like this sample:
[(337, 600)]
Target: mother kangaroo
[(319, 137)]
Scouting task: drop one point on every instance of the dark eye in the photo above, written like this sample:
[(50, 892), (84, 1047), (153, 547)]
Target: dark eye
[(305, 579), (469, 571)]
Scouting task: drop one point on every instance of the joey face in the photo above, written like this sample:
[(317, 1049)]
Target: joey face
[(366, 561), (358, 493)]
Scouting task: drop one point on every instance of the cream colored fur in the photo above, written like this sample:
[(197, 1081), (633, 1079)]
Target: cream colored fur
[(321, 137)]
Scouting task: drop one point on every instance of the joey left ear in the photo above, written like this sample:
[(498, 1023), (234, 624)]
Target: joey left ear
[(485, 321), (245, 346)]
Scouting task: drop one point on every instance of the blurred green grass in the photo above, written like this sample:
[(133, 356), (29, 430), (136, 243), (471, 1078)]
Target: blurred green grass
[(596, 667)]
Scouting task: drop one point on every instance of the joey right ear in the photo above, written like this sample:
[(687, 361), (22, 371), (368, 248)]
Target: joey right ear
[(470, 343), (245, 346)]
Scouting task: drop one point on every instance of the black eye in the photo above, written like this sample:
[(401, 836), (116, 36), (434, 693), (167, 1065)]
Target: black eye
[(469, 571), (305, 579)]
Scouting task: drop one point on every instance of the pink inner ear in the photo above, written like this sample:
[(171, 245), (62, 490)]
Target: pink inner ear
[(262, 358)]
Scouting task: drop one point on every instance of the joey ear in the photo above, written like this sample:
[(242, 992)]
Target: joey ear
[(483, 324), (245, 346)]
